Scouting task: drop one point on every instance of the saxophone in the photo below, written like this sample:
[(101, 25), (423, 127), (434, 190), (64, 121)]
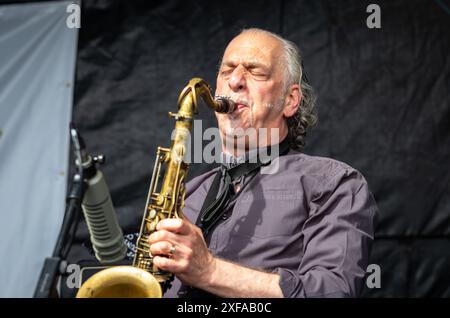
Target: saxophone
[(165, 199)]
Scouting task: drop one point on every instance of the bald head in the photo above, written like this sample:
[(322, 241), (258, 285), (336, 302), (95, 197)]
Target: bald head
[(256, 48)]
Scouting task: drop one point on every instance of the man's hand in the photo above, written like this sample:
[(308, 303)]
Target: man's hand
[(178, 246)]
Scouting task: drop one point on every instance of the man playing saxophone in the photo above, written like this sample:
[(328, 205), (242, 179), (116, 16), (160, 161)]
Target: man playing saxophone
[(304, 231)]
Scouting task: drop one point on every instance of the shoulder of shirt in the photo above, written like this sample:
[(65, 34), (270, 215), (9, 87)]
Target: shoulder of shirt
[(323, 168)]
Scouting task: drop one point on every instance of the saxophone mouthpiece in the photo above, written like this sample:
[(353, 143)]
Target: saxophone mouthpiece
[(225, 105)]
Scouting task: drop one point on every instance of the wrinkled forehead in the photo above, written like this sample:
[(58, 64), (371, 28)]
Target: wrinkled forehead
[(253, 48)]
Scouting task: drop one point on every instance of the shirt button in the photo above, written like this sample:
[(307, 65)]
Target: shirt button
[(225, 216)]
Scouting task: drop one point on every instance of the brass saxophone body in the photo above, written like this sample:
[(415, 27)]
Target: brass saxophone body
[(165, 199)]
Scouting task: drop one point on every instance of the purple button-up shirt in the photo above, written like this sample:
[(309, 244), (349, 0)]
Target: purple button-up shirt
[(311, 222)]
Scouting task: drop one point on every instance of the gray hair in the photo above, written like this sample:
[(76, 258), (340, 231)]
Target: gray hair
[(305, 117)]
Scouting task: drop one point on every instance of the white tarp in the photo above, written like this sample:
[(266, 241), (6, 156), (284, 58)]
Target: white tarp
[(37, 63)]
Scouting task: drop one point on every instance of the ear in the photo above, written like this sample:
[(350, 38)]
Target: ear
[(292, 100)]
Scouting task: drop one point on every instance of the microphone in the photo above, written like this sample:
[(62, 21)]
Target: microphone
[(105, 233)]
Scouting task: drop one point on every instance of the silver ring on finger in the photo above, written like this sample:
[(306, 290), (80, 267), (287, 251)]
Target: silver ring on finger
[(173, 250)]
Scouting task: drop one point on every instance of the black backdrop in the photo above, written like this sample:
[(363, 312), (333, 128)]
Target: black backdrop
[(383, 107)]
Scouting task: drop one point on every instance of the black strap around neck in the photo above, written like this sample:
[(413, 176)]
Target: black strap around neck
[(214, 205)]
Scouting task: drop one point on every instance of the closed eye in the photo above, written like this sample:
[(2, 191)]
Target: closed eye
[(259, 74), (257, 71), (226, 71)]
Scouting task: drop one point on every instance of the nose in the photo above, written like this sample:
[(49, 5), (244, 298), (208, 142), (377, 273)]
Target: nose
[(237, 81)]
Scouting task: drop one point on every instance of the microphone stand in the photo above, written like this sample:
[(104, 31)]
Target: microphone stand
[(55, 265)]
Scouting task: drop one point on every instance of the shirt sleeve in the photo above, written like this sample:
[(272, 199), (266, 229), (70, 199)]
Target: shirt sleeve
[(337, 238)]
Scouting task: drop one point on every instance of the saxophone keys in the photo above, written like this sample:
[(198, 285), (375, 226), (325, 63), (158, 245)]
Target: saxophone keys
[(152, 214), (151, 226), (160, 199)]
